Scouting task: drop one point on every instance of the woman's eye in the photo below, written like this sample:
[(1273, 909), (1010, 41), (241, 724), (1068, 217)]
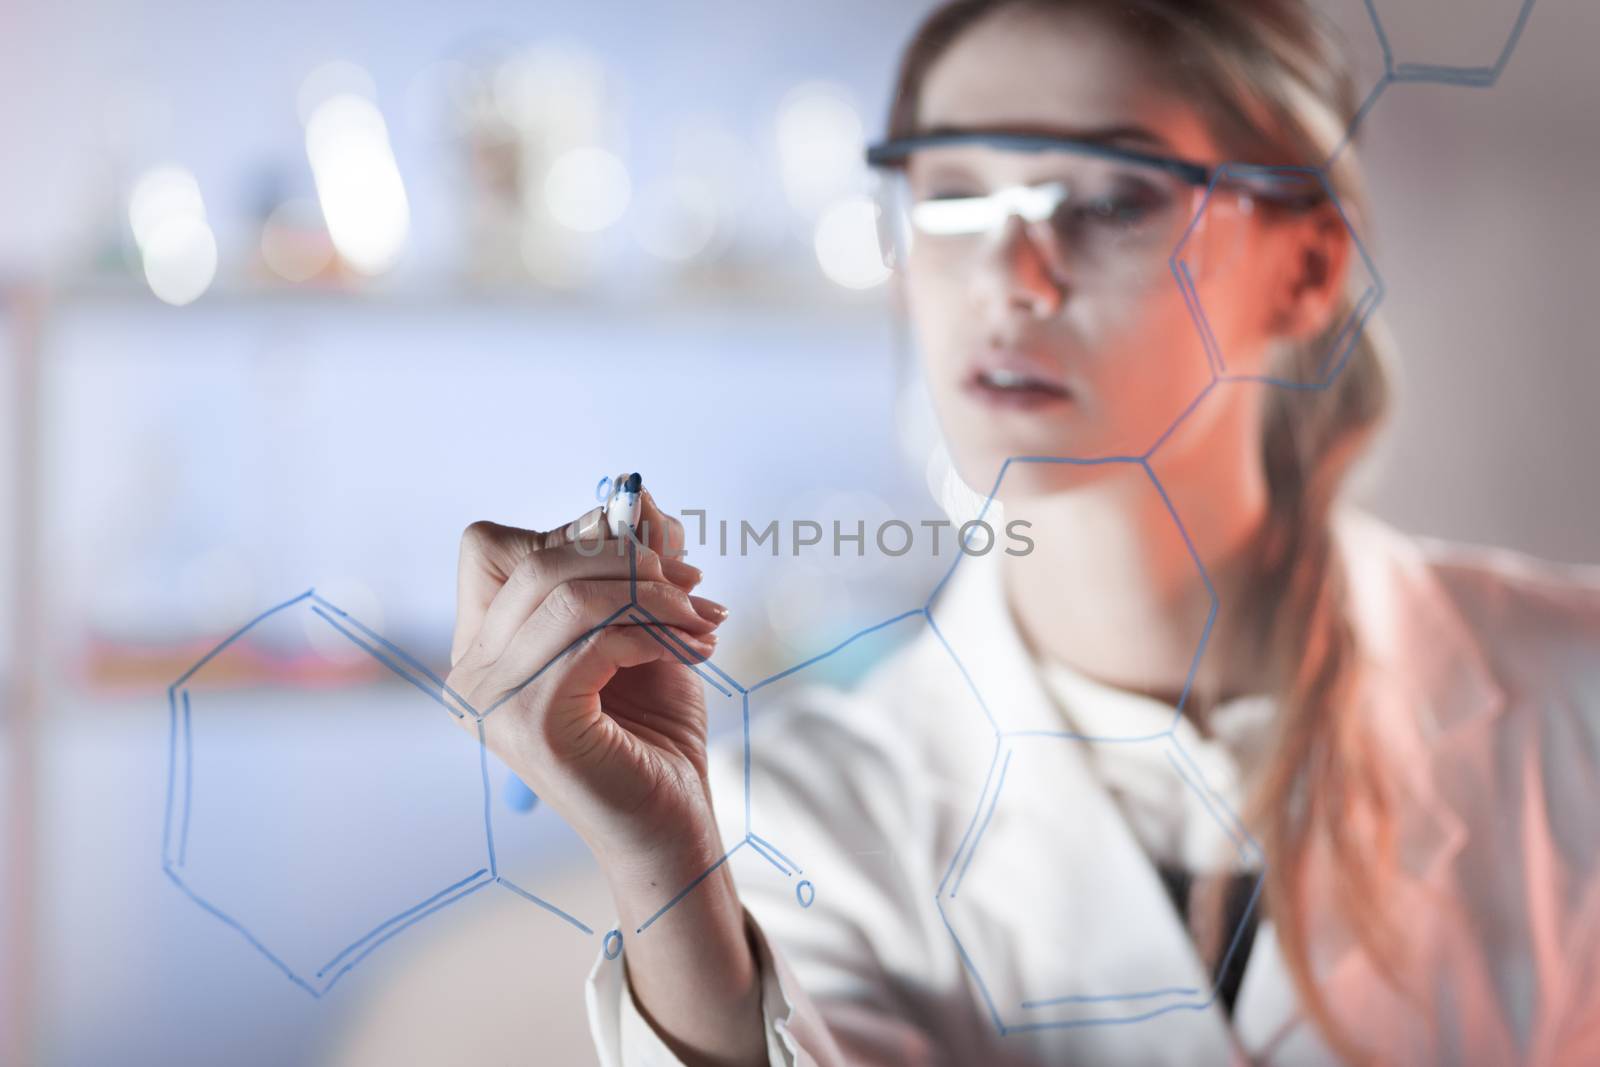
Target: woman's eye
[(1124, 207), (1112, 210)]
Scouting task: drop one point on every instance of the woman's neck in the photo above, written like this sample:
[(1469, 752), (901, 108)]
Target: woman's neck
[(1111, 587)]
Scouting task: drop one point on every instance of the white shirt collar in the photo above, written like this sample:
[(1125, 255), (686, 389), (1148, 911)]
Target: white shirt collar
[(1170, 820)]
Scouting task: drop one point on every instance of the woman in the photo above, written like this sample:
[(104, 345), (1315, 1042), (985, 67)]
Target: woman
[(1409, 731)]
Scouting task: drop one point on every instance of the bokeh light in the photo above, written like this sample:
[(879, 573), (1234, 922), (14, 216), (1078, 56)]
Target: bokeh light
[(358, 182), (820, 142), (556, 88), (176, 246), (160, 195), (337, 78), (294, 242), (587, 189), (846, 243), (678, 218)]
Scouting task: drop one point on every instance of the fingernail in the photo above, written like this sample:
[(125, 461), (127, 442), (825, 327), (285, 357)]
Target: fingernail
[(708, 609), (584, 526)]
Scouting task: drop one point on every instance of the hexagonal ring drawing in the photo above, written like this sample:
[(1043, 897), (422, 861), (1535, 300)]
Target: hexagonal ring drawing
[(1394, 72), (1349, 331), (179, 805), (414, 672), (1047, 1009), (726, 686), (1478, 76)]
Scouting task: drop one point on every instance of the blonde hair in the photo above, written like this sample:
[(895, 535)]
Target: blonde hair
[(1271, 81)]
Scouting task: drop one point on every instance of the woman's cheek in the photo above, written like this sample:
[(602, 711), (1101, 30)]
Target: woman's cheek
[(1144, 370)]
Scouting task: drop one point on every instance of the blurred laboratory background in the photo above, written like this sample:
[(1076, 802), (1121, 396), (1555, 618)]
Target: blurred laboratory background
[(291, 293)]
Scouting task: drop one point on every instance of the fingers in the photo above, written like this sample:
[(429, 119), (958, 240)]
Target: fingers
[(492, 557), (575, 608), (684, 575), (658, 531), (541, 572), (592, 665), (489, 553), (589, 666), (584, 666), (589, 526)]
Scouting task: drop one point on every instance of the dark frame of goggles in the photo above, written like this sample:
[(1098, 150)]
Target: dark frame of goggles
[(1294, 188)]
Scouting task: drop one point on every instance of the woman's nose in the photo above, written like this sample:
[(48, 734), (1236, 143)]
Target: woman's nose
[(1018, 272)]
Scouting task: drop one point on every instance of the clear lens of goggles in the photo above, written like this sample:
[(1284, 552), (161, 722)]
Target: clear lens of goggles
[(1101, 215)]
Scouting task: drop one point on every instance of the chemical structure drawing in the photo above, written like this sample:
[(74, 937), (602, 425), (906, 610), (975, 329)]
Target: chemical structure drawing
[(270, 920), (1142, 987), (318, 980), (1014, 752)]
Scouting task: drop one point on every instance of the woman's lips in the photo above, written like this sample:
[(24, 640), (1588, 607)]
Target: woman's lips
[(1015, 389)]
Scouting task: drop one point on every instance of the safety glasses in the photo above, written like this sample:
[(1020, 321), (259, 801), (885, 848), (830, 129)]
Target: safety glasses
[(1105, 208)]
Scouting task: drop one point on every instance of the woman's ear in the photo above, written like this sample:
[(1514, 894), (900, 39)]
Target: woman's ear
[(1315, 258)]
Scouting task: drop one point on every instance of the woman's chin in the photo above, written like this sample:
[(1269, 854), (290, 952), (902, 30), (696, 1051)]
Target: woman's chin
[(1028, 475)]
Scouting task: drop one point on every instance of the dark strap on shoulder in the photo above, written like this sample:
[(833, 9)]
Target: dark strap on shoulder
[(1229, 972)]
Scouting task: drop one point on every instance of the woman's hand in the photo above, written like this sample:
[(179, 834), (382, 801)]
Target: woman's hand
[(611, 729), (608, 725)]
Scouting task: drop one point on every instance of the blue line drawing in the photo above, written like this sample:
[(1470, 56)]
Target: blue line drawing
[(1470, 76), (1481, 76), (1170, 991), (1134, 1005), (415, 673), (1137, 1003), (185, 719), (686, 890), (392, 920), (1330, 363), (576, 923), (994, 801)]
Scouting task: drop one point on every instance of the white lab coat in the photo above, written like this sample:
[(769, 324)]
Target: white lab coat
[(1483, 683)]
